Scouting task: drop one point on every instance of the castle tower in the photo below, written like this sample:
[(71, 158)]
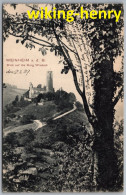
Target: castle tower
[(31, 91), (49, 81)]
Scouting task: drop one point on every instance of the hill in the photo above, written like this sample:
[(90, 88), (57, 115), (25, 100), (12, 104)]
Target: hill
[(9, 94), (47, 110)]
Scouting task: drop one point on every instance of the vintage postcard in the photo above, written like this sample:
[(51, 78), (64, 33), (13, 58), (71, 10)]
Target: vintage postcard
[(63, 97)]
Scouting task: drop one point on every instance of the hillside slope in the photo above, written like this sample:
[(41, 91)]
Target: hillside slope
[(57, 157), (10, 93)]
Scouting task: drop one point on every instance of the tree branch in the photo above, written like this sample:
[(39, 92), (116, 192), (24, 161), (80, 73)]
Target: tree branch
[(76, 82), (68, 60), (31, 7), (19, 36), (27, 23), (58, 41), (23, 36), (41, 40), (80, 66), (74, 74), (39, 43), (115, 101), (83, 96), (68, 47)]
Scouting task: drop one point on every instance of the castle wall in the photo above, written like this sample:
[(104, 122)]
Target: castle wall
[(33, 91)]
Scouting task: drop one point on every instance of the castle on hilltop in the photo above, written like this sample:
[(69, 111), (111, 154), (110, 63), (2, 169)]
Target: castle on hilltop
[(35, 91)]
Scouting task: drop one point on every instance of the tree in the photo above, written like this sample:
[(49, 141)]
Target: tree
[(72, 97), (107, 43), (15, 101), (49, 96), (64, 99), (4, 85), (39, 97), (26, 119), (39, 86), (16, 98), (79, 106), (22, 99), (87, 48)]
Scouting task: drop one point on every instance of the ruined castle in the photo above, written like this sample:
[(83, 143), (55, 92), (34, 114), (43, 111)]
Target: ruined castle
[(35, 91)]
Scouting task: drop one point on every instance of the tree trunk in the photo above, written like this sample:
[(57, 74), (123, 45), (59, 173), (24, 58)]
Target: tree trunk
[(103, 130), (105, 160), (106, 164)]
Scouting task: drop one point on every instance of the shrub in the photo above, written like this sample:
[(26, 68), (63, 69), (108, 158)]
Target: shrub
[(26, 119), (12, 115), (118, 143), (79, 106), (26, 137), (11, 138)]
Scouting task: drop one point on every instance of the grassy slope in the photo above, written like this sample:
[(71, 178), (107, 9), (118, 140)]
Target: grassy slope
[(57, 130), (40, 112), (10, 93), (43, 150)]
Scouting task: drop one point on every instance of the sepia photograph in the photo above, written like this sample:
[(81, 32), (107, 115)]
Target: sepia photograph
[(63, 98)]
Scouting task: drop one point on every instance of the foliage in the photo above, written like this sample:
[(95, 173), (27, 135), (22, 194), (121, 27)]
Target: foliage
[(11, 108), (11, 115), (64, 99), (79, 106), (4, 85), (51, 152), (11, 139), (39, 86), (118, 143), (61, 98), (26, 119)]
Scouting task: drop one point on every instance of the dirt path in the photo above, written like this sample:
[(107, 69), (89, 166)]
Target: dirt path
[(35, 125), (20, 128), (42, 124), (60, 116), (39, 124)]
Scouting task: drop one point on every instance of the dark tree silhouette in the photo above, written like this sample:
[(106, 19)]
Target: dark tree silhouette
[(4, 85), (39, 86)]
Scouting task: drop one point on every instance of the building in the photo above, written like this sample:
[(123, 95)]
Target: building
[(49, 81), (33, 92)]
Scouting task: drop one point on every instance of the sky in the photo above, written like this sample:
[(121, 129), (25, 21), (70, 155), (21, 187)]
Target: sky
[(37, 75)]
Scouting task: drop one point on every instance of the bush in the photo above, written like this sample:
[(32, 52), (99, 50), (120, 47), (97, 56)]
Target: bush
[(26, 137), (118, 144), (12, 115), (79, 106), (49, 121), (11, 139), (11, 109), (26, 119)]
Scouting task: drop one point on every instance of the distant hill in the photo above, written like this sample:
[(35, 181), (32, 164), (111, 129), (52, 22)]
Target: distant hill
[(10, 92)]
